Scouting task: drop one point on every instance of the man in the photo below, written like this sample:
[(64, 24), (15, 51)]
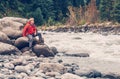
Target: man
[(30, 31)]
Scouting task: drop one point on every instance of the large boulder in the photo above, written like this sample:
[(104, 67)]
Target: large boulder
[(52, 67), (11, 33), (7, 49), (4, 38), (16, 19), (13, 22), (42, 50), (21, 42)]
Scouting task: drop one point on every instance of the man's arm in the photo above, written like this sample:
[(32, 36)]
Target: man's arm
[(24, 30)]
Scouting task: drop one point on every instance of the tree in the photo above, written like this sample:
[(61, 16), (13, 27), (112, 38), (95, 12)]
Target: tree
[(38, 16), (117, 11), (106, 9)]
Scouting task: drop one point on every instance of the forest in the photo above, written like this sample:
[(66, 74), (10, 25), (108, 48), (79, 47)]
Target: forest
[(53, 12)]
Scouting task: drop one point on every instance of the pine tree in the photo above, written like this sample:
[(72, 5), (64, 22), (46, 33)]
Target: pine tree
[(106, 9), (117, 11), (38, 16)]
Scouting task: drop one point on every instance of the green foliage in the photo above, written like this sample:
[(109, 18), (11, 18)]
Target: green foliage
[(56, 11), (116, 11), (38, 16)]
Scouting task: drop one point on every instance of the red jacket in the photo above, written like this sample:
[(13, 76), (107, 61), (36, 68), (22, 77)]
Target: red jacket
[(29, 29)]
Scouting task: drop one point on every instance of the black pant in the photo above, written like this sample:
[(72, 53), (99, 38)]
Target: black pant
[(31, 36)]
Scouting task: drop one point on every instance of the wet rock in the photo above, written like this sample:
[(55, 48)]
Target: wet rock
[(21, 42), (78, 55), (9, 66), (11, 33), (54, 50), (52, 67), (70, 76), (42, 50), (7, 49), (90, 74)]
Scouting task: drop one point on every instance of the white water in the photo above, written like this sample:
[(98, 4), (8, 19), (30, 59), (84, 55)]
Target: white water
[(98, 46)]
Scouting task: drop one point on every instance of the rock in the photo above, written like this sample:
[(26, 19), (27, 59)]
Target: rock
[(4, 38), (39, 74), (25, 49), (28, 53), (16, 62), (35, 78), (42, 50), (89, 73), (16, 19), (12, 33), (23, 75), (13, 22), (37, 41), (70, 76), (52, 67), (21, 42), (54, 50), (22, 69), (9, 66), (52, 74), (7, 49), (2, 76), (25, 69), (78, 55)]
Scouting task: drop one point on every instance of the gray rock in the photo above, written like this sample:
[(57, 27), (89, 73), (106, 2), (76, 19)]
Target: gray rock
[(25, 69), (78, 55), (9, 66), (13, 22), (54, 50), (12, 33), (52, 74), (7, 49), (52, 67), (4, 38), (42, 50), (21, 42), (71, 76)]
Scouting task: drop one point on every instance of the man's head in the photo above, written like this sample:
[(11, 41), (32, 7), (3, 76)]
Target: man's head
[(31, 20)]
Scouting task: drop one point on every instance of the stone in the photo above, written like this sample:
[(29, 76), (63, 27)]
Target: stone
[(71, 76), (7, 49), (52, 67), (12, 33), (52, 74), (78, 55), (54, 50), (25, 69), (9, 66), (21, 42), (4, 38), (16, 62), (42, 50)]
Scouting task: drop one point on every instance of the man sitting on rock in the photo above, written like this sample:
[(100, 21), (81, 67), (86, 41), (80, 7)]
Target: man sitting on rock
[(30, 31)]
